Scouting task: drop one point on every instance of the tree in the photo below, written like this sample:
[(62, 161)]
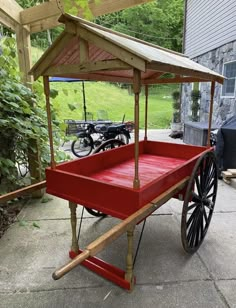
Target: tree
[(159, 22)]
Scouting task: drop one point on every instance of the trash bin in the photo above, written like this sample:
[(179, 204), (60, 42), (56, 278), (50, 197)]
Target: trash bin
[(196, 132), (226, 145)]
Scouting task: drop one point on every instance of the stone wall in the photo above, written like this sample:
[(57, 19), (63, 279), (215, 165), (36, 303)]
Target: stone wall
[(223, 107)]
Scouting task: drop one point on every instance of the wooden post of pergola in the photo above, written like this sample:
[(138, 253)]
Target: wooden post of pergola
[(40, 18)]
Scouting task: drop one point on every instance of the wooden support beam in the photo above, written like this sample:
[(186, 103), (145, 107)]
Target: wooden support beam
[(83, 51), (41, 12), (24, 53), (162, 67), (99, 77), (87, 67), (23, 191), (173, 80), (45, 16), (110, 236), (137, 90), (210, 114), (11, 9), (7, 21)]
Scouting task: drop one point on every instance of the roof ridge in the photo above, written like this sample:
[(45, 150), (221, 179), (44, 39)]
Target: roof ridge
[(66, 16)]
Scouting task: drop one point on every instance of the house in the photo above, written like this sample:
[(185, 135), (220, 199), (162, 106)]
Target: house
[(210, 40)]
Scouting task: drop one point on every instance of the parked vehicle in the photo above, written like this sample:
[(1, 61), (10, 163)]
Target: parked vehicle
[(95, 135)]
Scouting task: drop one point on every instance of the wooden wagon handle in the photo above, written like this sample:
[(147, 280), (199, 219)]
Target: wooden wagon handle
[(70, 265), (100, 243)]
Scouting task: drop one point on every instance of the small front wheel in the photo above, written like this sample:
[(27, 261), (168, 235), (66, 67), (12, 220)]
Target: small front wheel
[(108, 145), (82, 146)]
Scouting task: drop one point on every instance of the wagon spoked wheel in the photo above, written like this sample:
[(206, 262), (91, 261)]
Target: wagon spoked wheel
[(199, 202), (95, 212), (108, 145)]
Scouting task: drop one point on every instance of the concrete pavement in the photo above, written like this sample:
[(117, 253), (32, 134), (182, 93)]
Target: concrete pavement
[(167, 277)]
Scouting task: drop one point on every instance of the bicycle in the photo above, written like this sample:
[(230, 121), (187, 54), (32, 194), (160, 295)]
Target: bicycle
[(95, 135)]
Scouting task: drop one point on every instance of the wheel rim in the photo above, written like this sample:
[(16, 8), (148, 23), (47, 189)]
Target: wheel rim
[(82, 147), (122, 138), (199, 202), (95, 212), (108, 145)]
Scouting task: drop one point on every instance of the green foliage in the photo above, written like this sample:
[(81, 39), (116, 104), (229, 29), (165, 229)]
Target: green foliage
[(23, 123), (115, 100), (176, 106), (195, 106), (159, 22)]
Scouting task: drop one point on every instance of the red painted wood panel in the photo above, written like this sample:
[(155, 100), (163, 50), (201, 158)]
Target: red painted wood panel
[(151, 167), (104, 181)]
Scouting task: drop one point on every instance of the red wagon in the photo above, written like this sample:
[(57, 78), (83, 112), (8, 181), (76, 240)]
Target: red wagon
[(128, 182)]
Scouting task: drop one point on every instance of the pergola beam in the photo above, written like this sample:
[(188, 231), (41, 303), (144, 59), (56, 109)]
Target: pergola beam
[(10, 13), (12, 9), (45, 16), (8, 22)]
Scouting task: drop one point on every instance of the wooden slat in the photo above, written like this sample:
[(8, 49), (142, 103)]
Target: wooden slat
[(87, 67), (114, 49), (110, 236), (159, 66), (51, 54), (22, 191), (227, 174)]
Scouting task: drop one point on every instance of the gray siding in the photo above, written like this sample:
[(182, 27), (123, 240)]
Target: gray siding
[(209, 24)]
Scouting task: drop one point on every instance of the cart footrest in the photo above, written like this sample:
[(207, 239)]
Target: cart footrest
[(106, 270)]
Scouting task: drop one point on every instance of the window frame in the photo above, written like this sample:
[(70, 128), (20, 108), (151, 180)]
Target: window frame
[(228, 96)]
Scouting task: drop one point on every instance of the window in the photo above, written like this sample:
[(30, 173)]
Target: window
[(229, 71)]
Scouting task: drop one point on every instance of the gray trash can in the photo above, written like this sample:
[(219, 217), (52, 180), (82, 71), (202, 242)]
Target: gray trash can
[(226, 145)]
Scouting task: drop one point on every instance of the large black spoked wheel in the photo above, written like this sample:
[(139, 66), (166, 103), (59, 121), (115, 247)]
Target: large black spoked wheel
[(108, 145), (199, 202), (82, 146), (95, 212)]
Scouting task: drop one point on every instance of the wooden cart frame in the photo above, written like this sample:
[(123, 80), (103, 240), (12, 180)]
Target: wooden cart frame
[(87, 51)]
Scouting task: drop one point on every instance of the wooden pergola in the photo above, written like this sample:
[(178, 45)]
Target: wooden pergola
[(39, 18)]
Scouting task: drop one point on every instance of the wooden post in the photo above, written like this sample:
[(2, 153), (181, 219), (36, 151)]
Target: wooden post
[(146, 111), (137, 89), (73, 220), (47, 93), (129, 259), (210, 113)]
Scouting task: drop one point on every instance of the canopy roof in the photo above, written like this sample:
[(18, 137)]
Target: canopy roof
[(87, 51)]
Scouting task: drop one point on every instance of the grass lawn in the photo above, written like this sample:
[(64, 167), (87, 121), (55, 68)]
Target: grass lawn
[(114, 100)]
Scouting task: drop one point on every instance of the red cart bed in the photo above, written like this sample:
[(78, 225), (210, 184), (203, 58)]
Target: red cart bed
[(104, 181)]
